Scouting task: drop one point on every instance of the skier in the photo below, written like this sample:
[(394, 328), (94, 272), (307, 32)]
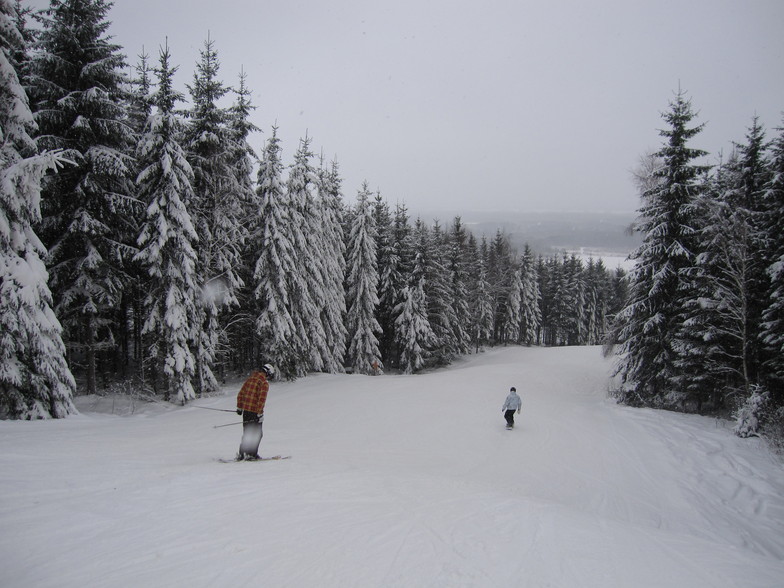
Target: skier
[(511, 404), (250, 404)]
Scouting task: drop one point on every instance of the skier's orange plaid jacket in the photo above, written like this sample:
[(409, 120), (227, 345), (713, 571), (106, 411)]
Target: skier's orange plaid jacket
[(253, 394)]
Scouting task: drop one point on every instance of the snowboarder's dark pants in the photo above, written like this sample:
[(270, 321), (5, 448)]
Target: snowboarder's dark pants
[(251, 434), (509, 416)]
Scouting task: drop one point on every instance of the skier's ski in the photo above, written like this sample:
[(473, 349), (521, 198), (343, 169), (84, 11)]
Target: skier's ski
[(272, 458)]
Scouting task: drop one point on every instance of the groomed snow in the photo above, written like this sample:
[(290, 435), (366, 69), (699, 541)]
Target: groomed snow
[(407, 481)]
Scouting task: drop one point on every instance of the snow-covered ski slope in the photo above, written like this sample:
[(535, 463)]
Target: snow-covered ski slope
[(407, 481)]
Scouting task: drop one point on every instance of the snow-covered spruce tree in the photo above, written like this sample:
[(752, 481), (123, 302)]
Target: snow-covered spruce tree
[(772, 332), (217, 210), (167, 241), (750, 210), (389, 278), (333, 313), (650, 334), (308, 297), (513, 308), (412, 328), (482, 302), (79, 97), (35, 381), (530, 303), (458, 291), (597, 281), (500, 263), (431, 257), (240, 326), (276, 266), (555, 301), (574, 301), (363, 356), (396, 276), (727, 312)]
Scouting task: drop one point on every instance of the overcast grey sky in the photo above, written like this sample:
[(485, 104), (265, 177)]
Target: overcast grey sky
[(507, 105)]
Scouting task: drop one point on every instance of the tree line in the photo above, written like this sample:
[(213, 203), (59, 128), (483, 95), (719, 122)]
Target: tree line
[(143, 237), (703, 326)]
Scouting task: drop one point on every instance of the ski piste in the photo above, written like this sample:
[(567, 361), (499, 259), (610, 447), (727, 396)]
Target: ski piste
[(271, 458)]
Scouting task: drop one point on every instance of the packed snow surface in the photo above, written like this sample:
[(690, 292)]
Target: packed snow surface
[(395, 481)]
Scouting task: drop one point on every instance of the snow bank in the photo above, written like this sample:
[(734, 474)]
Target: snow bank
[(396, 481)]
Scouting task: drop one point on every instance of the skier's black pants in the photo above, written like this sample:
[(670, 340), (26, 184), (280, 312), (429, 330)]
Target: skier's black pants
[(509, 416), (251, 433)]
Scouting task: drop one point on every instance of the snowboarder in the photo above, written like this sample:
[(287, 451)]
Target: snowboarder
[(511, 404), (250, 404)]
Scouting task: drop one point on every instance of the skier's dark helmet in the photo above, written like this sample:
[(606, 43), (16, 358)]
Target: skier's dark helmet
[(513, 389), (268, 369)]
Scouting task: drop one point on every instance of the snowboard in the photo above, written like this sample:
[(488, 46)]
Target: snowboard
[(272, 458)]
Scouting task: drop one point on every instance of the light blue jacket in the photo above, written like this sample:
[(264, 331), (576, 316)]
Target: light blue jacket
[(513, 402)]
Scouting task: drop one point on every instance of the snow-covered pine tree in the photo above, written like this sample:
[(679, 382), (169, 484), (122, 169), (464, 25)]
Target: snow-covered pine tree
[(79, 97), (720, 314), (482, 301), (650, 322), (431, 252), (241, 326), (35, 381), (396, 275), (513, 316), (574, 302), (772, 332), (333, 314), (389, 278), (530, 304), (363, 355), (499, 275), (307, 294), (459, 279), (750, 208), (597, 282), (413, 332), (280, 341), (217, 209), (555, 296), (167, 241)]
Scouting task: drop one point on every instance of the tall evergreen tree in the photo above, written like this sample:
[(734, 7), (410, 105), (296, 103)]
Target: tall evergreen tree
[(482, 301), (431, 259), (79, 97), (363, 354), (309, 296), (727, 311), (413, 332), (35, 381), (458, 289), (530, 303), (167, 241), (389, 278), (650, 332), (333, 313), (217, 209), (275, 266), (513, 309), (772, 331), (240, 326)]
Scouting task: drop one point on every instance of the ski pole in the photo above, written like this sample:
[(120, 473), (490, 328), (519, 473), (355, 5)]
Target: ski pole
[(218, 409), (227, 425)]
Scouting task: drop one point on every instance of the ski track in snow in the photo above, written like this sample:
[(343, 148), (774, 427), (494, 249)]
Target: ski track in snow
[(396, 481)]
